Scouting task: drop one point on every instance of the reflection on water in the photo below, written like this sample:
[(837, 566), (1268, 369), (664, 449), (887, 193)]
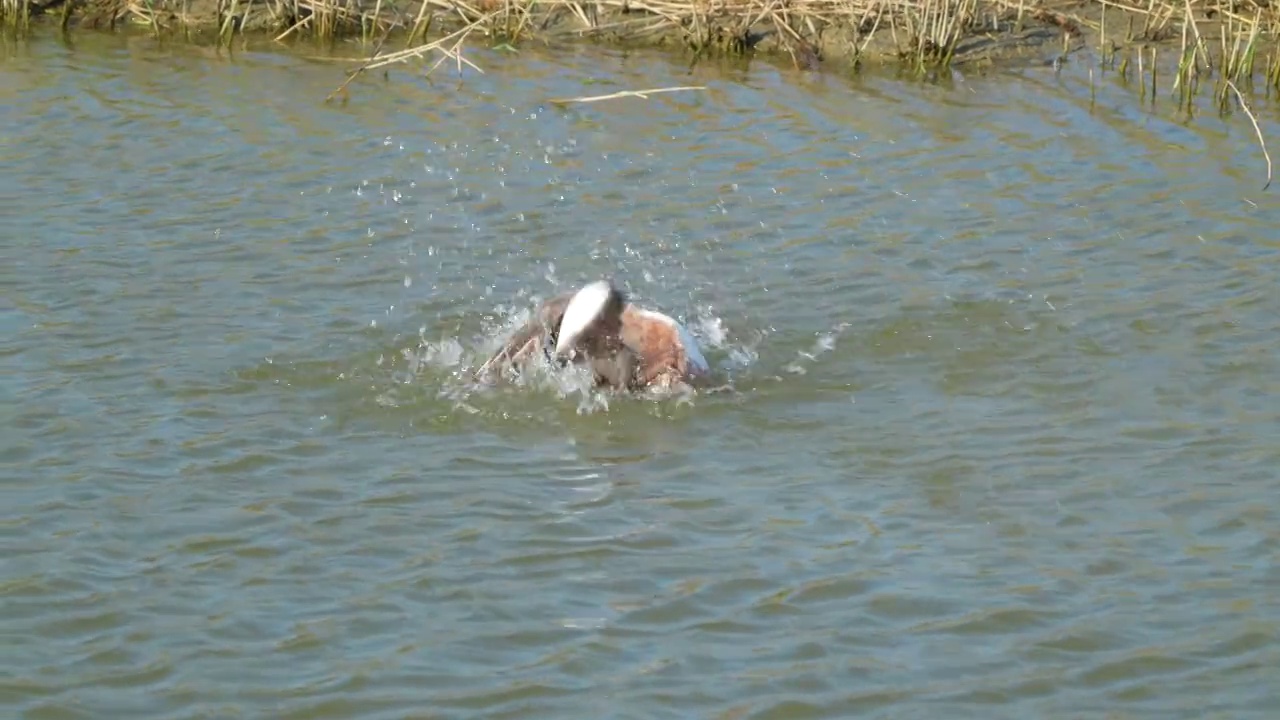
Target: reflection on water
[(996, 430)]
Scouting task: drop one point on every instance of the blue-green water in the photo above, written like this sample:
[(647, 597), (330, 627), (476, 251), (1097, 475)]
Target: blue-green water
[(999, 438)]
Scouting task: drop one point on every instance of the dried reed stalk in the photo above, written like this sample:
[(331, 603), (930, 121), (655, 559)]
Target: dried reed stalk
[(457, 37), (1258, 130), (642, 94), (355, 73)]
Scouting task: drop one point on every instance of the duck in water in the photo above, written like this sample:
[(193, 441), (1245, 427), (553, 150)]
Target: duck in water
[(627, 347)]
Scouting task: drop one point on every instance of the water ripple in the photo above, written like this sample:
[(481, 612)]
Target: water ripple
[(994, 431)]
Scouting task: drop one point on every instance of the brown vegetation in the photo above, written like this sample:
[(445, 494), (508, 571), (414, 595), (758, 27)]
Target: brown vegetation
[(1222, 40)]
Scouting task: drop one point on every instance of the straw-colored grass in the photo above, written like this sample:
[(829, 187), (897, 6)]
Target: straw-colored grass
[(1237, 40), (642, 94), (1262, 142)]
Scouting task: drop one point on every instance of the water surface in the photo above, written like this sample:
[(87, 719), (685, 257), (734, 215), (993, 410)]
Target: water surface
[(997, 436)]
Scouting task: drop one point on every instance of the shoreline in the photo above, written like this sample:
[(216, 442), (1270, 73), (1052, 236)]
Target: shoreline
[(1203, 41)]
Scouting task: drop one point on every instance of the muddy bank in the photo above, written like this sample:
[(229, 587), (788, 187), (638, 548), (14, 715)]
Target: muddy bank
[(1228, 38)]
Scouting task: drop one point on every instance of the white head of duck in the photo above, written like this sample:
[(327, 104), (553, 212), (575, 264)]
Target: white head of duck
[(625, 346)]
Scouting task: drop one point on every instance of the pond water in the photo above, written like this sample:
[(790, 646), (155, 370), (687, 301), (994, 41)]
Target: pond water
[(997, 429)]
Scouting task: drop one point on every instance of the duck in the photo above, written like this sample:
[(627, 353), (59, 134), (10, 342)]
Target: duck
[(626, 347)]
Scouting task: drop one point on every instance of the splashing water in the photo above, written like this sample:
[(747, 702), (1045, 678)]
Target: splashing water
[(450, 363), (823, 343)]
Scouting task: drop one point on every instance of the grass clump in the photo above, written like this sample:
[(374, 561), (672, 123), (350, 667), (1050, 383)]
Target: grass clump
[(1234, 40), (1228, 44), (15, 15)]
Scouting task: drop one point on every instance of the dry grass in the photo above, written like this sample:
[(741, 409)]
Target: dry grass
[(1234, 40), (1262, 142), (642, 94), (1220, 44)]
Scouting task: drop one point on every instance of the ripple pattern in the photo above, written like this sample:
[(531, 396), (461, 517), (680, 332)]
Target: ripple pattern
[(997, 432)]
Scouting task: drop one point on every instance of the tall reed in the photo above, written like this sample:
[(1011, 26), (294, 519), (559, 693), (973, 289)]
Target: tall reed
[(15, 15), (1220, 39)]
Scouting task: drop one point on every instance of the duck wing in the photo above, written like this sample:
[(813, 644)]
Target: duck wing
[(658, 344), (536, 334)]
